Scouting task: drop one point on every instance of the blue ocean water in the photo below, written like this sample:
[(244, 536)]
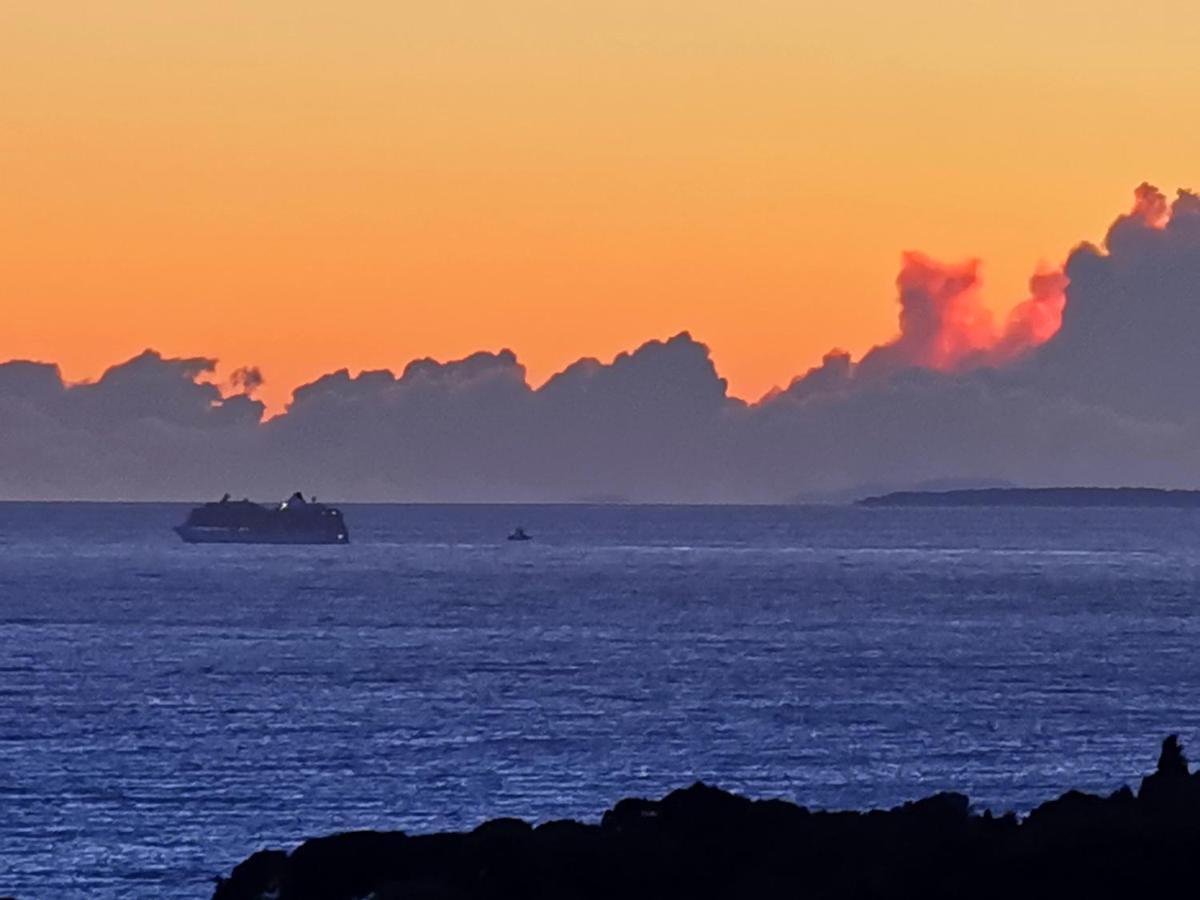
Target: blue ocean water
[(167, 709)]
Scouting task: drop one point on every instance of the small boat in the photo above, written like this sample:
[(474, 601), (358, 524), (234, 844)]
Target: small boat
[(519, 534)]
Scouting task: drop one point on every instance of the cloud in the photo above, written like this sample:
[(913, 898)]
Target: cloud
[(246, 380), (945, 326), (1091, 379), (146, 428), (644, 426), (922, 426), (442, 430), (1128, 339)]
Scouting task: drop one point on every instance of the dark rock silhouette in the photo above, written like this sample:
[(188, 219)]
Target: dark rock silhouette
[(704, 842), (1170, 788), (1171, 761)]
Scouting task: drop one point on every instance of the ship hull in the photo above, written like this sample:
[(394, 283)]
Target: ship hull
[(201, 535)]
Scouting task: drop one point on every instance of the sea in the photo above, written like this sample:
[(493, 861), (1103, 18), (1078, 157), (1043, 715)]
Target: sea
[(168, 709)]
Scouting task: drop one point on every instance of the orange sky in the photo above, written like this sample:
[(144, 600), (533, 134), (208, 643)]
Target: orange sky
[(310, 185)]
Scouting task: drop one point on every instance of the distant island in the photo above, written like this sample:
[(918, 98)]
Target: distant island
[(1059, 496)]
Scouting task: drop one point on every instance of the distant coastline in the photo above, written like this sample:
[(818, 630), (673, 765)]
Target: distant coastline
[(1052, 497)]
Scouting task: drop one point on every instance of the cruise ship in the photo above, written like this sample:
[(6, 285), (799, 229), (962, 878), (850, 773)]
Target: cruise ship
[(294, 521)]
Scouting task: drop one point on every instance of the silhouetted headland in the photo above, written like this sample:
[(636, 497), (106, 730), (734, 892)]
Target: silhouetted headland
[(705, 842), (1061, 496)]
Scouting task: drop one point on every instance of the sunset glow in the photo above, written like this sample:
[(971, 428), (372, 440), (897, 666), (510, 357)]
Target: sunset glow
[(302, 187)]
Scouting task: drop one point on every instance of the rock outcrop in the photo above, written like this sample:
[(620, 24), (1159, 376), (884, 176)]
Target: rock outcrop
[(702, 842)]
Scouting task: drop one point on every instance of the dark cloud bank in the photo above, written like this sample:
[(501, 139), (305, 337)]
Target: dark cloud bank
[(1109, 398)]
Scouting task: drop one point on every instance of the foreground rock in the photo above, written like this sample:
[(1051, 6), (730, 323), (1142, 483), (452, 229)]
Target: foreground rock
[(704, 842)]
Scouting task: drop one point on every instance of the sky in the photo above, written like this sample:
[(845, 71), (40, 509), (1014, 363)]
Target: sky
[(306, 186), (1090, 380)]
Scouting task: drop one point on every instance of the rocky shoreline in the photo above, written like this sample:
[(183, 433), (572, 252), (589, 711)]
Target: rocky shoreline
[(704, 842)]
